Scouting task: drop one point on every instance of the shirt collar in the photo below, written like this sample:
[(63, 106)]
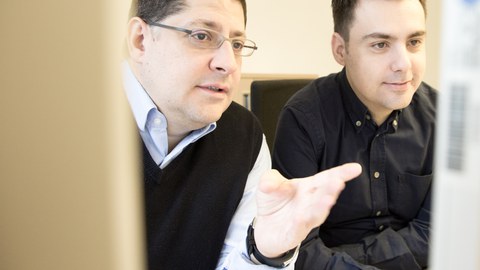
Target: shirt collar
[(357, 112), (139, 100)]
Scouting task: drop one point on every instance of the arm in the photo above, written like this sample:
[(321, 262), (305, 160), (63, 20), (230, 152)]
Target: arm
[(234, 253), (416, 234), (406, 248), (286, 212), (315, 255)]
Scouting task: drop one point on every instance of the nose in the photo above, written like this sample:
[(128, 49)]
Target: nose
[(224, 60), (401, 59)]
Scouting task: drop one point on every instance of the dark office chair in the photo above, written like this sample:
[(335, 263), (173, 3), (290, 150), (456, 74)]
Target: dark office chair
[(268, 97)]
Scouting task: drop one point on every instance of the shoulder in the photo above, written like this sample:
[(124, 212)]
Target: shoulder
[(427, 93), (319, 99), (319, 91)]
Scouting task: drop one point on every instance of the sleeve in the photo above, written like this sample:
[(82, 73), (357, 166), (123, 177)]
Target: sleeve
[(406, 248), (234, 252), (297, 145), (316, 256), (416, 235)]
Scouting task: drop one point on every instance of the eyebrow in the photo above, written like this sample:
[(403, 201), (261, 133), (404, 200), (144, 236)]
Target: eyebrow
[(213, 26), (377, 35)]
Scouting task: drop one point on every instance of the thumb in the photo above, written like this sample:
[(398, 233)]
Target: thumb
[(270, 181)]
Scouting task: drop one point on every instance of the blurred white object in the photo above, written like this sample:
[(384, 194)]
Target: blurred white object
[(456, 201)]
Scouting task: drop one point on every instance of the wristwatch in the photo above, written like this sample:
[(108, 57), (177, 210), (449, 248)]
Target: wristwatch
[(258, 258)]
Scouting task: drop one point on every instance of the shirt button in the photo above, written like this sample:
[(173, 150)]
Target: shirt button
[(380, 227), (368, 117), (358, 123), (376, 175), (378, 213), (157, 121), (395, 123)]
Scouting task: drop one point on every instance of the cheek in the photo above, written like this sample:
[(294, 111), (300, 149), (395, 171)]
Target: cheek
[(236, 77), (418, 70), (368, 76), (419, 65)]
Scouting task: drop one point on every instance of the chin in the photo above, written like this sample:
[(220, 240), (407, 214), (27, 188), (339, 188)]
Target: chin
[(402, 105), (210, 117), (209, 113)]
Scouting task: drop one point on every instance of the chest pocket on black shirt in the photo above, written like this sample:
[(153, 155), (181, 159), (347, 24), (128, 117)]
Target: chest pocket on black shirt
[(407, 194)]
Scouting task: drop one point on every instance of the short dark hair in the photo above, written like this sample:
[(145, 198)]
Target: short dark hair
[(157, 10), (344, 13)]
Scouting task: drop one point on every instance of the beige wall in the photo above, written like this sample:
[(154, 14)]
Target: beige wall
[(294, 38), (68, 187)]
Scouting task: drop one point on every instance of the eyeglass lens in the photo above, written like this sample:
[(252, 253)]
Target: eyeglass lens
[(204, 38)]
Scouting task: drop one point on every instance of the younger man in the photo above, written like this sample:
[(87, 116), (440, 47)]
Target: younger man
[(378, 112)]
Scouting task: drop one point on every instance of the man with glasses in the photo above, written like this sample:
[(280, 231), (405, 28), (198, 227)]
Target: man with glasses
[(378, 112), (204, 155)]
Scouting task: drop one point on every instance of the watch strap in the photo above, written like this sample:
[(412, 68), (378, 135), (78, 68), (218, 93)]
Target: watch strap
[(258, 258)]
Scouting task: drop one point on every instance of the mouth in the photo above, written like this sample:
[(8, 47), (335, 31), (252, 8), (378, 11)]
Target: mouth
[(399, 83), (217, 88), (399, 86)]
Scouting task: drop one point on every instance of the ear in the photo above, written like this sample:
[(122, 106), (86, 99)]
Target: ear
[(137, 29), (338, 48)]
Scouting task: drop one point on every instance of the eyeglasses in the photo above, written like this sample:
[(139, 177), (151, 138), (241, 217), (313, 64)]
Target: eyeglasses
[(210, 39)]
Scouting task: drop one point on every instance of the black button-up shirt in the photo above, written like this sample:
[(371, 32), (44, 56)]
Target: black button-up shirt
[(382, 218)]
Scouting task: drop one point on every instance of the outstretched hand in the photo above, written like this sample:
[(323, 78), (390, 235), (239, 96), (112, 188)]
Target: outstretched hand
[(287, 210)]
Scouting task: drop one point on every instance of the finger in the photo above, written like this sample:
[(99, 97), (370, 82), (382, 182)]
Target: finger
[(327, 187), (331, 180), (345, 172)]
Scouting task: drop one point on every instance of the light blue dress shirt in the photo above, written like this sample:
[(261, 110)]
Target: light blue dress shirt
[(153, 130)]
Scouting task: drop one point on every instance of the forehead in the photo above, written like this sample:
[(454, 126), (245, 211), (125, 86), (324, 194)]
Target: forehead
[(388, 16), (218, 14)]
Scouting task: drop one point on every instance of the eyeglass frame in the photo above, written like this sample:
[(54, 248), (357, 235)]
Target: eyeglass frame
[(222, 38)]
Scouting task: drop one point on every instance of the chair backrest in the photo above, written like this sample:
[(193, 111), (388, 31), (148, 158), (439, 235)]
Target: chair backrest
[(267, 98)]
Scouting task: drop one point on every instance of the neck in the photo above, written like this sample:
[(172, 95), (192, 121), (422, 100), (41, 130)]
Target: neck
[(174, 138)]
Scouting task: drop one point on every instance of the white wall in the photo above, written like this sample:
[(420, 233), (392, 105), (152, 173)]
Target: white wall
[(294, 38)]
